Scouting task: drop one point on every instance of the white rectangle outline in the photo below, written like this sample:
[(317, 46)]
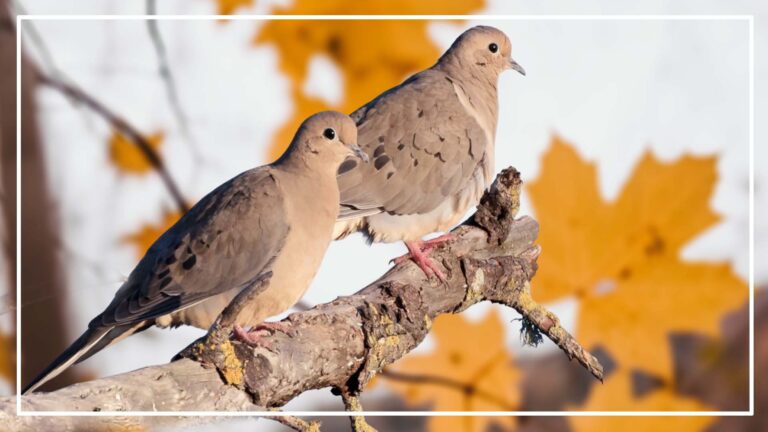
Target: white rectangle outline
[(505, 17)]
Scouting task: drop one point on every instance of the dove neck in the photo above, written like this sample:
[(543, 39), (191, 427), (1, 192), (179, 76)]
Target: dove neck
[(478, 84), (299, 162)]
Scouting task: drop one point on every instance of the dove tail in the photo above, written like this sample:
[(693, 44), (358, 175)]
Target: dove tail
[(88, 344)]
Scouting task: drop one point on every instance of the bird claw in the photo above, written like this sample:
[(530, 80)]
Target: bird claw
[(251, 337), (428, 266), (275, 326), (255, 335), (418, 252)]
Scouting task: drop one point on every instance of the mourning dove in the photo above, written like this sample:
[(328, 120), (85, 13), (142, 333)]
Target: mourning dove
[(431, 143), (274, 221)]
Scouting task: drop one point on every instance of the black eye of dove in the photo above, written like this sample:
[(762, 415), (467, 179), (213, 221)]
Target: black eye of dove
[(329, 133), (493, 48)]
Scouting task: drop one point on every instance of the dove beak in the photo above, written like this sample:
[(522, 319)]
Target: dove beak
[(358, 152), (514, 66)]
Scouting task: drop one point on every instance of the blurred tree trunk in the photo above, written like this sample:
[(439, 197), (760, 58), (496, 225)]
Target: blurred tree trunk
[(43, 328), (8, 182)]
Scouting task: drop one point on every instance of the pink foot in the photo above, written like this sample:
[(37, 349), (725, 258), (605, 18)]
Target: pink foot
[(418, 252), (251, 337), (276, 326), (255, 335)]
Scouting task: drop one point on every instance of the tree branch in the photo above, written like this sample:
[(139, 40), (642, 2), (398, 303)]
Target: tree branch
[(344, 343), (465, 388), (166, 75), (77, 94), (352, 405), (296, 423)]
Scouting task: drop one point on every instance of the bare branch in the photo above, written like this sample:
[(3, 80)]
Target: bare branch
[(468, 389), (76, 93), (167, 76), (37, 42), (352, 404), (549, 324), (57, 80), (296, 423), (344, 343)]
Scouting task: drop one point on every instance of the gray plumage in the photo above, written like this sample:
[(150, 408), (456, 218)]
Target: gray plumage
[(273, 220), (431, 144)]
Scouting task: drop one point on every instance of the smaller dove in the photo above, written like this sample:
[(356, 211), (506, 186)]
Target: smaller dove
[(270, 225), (431, 142)]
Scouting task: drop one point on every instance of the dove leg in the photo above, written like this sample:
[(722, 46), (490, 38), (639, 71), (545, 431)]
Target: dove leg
[(440, 240), (418, 252)]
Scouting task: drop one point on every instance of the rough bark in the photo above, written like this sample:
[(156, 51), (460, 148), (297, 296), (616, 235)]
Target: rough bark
[(344, 343)]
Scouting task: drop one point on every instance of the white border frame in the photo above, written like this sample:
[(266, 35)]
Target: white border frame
[(506, 17)]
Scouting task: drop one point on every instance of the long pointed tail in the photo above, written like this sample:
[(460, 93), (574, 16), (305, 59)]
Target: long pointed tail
[(88, 344)]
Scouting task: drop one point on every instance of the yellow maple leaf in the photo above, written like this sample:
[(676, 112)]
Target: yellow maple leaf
[(467, 354), (622, 258), (127, 157), (616, 395), (143, 238), (372, 56)]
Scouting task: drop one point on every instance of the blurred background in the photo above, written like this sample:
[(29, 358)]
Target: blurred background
[(632, 137)]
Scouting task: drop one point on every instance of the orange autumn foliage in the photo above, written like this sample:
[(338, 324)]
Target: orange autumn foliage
[(622, 260), (371, 7), (227, 7), (127, 157), (371, 56), (615, 395), (468, 353)]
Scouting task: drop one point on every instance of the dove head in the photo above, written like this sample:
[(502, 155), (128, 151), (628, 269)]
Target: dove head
[(324, 140), (481, 48)]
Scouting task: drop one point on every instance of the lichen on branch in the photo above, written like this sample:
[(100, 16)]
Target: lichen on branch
[(345, 343)]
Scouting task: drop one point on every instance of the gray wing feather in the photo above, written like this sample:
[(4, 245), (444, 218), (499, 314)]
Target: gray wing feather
[(228, 239), (424, 146)]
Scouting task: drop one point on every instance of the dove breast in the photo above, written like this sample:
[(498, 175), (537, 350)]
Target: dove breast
[(312, 212)]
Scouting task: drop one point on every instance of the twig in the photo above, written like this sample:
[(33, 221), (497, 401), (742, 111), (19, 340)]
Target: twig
[(352, 404), (296, 423), (465, 388), (549, 324), (76, 93), (57, 79), (38, 42), (167, 76)]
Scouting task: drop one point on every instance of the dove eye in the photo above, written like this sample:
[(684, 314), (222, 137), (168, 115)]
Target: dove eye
[(493, 48), (329, 133)]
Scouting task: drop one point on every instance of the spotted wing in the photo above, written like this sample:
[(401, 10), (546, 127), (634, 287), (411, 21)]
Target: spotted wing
[(227, 240), (423, 144)]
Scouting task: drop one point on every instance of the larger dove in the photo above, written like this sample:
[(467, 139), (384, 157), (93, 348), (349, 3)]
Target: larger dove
[(273, 220), (431, 141)]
